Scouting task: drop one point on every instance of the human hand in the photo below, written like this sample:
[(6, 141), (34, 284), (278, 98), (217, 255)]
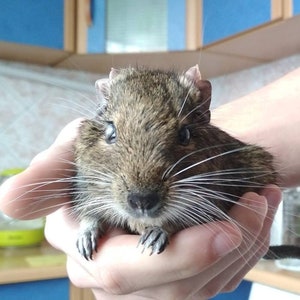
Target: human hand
[(44, 186), (200, 261)]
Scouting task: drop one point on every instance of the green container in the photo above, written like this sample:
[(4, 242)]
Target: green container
[(19, 233)]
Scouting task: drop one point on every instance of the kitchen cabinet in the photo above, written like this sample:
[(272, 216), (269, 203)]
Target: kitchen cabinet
[(169, 25), (47, 24), (222, 19), (296, 7), (37, 273), (38, 290), (130, 26), (133, 26)]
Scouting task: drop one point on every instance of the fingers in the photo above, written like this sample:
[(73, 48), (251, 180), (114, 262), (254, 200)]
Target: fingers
[(250, 222), (125, 269), (250, 251), (213, 279), (196, 263), (44, 185), (273, 197), (119, 266), (226, 273)]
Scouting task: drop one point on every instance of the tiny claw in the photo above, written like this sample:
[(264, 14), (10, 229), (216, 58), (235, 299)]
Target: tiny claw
[(87, 243), (155, 238)]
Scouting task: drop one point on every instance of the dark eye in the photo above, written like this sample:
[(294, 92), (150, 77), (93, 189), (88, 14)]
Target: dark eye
[(184, 135), (110, 133)]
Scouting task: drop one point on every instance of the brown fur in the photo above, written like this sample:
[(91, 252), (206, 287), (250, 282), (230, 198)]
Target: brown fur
[(148, 109)]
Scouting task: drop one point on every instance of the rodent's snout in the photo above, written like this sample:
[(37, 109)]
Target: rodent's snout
[(144, 204)]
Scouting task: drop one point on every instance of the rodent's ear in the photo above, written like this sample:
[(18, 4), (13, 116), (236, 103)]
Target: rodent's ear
[(102, 93), (204, 87), (193, 73), (113, 73), (204, 99)]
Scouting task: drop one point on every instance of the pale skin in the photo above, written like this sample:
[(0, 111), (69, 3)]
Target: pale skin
[(201, 261)]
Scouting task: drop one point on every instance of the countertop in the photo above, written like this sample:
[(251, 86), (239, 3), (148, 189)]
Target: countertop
[(267, 273), (30, 264)]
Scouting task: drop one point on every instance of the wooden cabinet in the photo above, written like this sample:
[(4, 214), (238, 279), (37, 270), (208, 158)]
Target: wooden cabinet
[(40, 23), (130, 26), (215, 21), (170, 25), (37, 273), (222, 19)]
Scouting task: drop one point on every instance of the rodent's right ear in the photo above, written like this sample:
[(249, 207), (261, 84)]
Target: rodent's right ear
[(113, 73), (102, 93)]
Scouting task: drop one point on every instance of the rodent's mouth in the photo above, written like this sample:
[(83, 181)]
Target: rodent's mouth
[(141, 213)]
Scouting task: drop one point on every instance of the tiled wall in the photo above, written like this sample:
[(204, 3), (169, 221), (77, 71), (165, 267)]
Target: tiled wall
[(32, 112), (34, 105)]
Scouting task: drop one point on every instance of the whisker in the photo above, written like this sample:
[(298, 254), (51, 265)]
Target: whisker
[(194, 109), (171, 168), (209, 159), (185, 100)]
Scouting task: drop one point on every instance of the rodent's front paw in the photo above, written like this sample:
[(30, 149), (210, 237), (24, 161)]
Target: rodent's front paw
[(87, 243), (155, 238)]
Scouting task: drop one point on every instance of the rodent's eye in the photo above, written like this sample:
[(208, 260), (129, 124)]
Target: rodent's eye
[(110, 133), (184, 135)]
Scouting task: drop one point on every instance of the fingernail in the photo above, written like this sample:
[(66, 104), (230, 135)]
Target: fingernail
[(226, 242)]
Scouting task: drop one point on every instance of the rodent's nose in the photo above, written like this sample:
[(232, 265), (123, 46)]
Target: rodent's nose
[(144, 202)]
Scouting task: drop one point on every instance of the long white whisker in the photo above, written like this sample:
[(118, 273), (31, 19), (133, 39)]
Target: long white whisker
[(209, 159), (171, 168), (185, 100)]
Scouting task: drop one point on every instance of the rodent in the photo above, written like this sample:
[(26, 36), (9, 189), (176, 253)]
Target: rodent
[(150, 161)]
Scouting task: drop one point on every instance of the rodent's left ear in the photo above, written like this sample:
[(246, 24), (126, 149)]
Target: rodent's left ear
[(203, 100), (113, 73), (193, 73), (204, 86)]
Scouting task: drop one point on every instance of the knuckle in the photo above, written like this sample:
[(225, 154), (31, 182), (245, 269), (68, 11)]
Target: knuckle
[(180, 292), (231, 286), (75, 280), (209, 292), (111, 282), (76, 274), (213, 289)]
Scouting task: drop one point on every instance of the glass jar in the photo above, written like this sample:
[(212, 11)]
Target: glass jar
[(19, 233)]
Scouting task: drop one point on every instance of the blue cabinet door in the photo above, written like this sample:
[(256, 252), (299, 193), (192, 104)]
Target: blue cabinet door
[(37, 290), (241, 293), (33, 22), (296, 7), (223, 18)]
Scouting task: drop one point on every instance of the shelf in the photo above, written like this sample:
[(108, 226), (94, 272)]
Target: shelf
[(211, 64), (30, 264), (267, 273), (32, 54)]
